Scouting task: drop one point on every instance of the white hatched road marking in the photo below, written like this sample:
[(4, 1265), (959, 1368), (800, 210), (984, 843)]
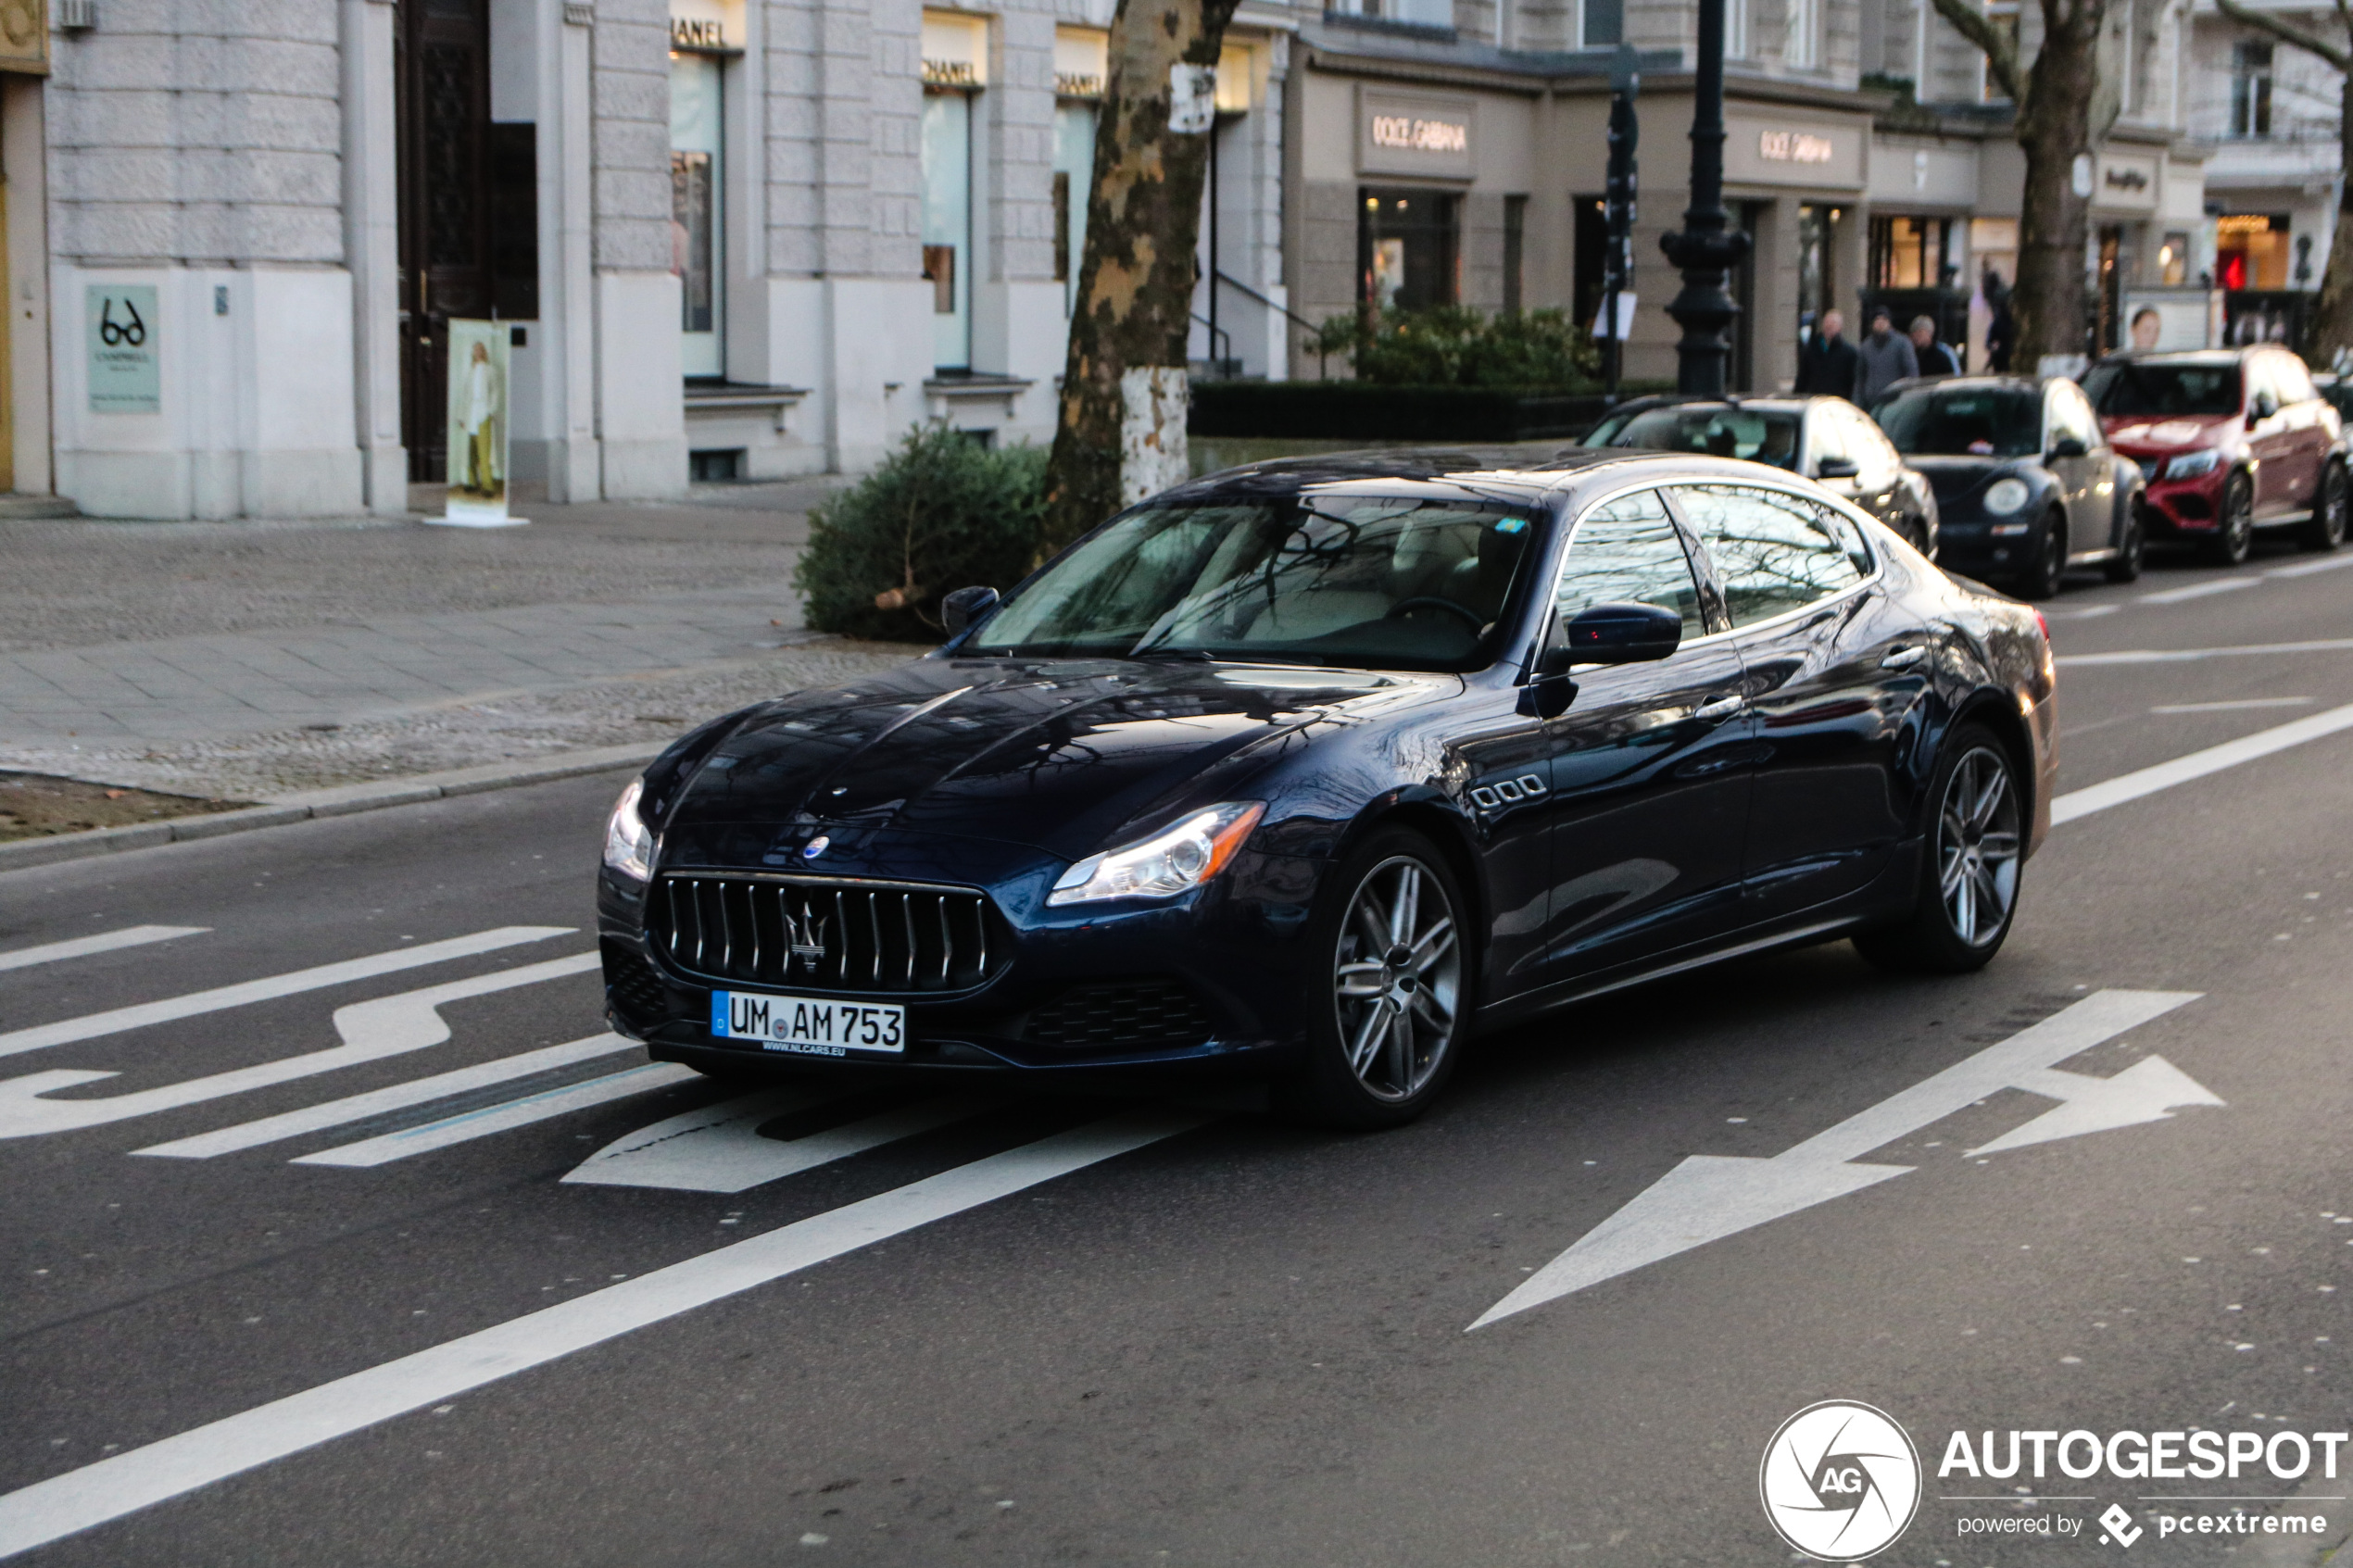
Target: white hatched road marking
[(418, 1091), (79, 1499), (104, 942), (371, 1031), (2191, 656), (172, 1009), (503, 1117), (2196, 765), (719, 1148)]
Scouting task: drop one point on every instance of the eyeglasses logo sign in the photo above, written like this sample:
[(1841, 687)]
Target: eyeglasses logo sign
[(1839, 1480)]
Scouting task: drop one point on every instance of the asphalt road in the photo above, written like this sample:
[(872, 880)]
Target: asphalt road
[(1060, 1331)]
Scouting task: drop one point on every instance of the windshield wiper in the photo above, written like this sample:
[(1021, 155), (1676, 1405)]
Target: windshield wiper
[(1195, 656)]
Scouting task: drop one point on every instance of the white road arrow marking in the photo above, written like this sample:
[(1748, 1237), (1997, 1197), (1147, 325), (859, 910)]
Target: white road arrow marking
[(719, 1148), (371, 1031), (1709, 1196), (104, 942), (399, 1096), (79, 1500), (172, 1009)]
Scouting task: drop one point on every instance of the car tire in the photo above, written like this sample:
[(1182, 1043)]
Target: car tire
[(2233, 538), (2043, 577), (2125, 565), (1966, 898), (2327, 530), (1384, 1027)]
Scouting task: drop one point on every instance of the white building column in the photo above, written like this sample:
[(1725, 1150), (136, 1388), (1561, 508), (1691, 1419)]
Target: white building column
[(371, 248)]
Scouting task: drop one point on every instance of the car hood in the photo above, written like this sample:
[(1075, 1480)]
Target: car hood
[(1057, 754), (2140, 432), (1959, 479)]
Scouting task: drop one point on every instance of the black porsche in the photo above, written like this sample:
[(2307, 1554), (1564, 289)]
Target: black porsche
[(1316, 769), (2027, 485)]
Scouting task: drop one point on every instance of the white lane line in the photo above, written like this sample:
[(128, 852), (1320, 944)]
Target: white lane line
[(2234, 705), (170, 1010), (503, 1117), (79, 1500), (399, 1096), (2199, 590), (2196, 765), (719, 1148), (2090, 612), (2330, 564), (2187, 656), (371, 1031), (104, 942)]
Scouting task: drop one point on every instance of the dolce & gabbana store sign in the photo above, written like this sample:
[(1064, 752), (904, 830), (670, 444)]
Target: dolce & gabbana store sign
[(1824, 154), (1417, 134)]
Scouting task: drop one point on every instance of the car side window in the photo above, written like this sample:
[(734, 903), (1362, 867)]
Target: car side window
[(1828, 432), (2070, 415), (1627, 551), (2257, 372), (2293, 381), (1773, 552), (1872, 449)]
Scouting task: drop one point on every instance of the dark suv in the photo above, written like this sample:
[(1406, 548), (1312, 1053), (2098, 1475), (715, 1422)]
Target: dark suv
[(2231, 440)]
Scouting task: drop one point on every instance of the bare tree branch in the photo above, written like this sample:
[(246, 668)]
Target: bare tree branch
[(1999, 48), (2337, 55)]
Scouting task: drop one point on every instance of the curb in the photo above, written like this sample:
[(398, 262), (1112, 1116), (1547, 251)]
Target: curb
[(343, 801)]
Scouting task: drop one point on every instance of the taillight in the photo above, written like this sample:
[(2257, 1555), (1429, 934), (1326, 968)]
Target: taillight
[(2044, 624)]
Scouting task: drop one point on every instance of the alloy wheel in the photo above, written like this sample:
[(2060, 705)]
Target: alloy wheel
[(1977, 847), (2238, 540), (1397, 979)]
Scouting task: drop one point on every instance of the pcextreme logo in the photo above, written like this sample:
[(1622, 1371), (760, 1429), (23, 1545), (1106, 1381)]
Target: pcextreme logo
[(1841, 1481)]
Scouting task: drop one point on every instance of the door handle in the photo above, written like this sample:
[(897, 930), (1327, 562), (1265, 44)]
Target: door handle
[(1722, 709), (1903, 658)]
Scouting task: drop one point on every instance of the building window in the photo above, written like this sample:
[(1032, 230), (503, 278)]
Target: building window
[(1914, 253), (948, 225), (1406, 248), (695, 232), (1736, 29), (2173, 259), (1073, 174), (2250, 250), (2252, 90), (1515, 250), (1600, 24), (1801, 50), (1413, 13)]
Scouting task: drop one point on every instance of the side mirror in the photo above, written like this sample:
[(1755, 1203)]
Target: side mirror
[(964, 606), (1834, 467), (1621, 633), (2069, 446)]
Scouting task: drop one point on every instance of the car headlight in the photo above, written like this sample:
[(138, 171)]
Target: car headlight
[(2006, 495), (2190, 464), (629, 844), (1172, 861)]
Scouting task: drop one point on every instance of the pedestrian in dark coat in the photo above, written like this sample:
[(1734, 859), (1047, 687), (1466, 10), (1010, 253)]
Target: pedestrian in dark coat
[(1827, 363)]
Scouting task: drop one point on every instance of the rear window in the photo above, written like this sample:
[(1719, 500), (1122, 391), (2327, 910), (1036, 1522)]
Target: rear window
[(2121, 387), (1983, 422), (1755, 434)]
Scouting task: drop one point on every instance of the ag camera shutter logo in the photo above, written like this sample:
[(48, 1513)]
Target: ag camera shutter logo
[(1841, 1481)]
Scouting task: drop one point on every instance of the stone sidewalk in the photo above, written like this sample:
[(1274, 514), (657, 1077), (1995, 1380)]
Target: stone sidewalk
[(245, 660)]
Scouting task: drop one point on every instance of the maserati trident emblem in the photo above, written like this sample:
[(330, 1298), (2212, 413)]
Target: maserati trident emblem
[(814, 848), (807, 938)]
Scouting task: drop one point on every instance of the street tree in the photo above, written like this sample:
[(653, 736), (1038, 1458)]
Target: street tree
[(2332, 328), (2062, 111), (1121, 432)]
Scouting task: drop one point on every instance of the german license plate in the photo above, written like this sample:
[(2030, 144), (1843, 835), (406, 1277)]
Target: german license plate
[(808, 1025)]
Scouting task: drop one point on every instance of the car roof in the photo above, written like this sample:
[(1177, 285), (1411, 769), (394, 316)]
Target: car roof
[(1494, 474), (1979, 383), (2190, 356), (1730, 400)]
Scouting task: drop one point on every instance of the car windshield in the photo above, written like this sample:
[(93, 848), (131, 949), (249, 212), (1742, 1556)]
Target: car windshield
[(2124, 387), (1367, 581), (1722, 432), (1980, 421)]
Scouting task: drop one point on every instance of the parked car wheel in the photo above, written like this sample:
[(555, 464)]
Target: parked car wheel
[(2326, 531), (1971, 855), (2125, 565), (1391, 1004), (2235, 533), (2042, 577)]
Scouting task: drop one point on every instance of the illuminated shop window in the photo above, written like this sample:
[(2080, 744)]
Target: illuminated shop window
[(1407, 247), (696, 220)]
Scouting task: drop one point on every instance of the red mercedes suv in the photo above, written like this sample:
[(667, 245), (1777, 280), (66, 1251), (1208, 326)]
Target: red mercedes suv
[(2231, 440)]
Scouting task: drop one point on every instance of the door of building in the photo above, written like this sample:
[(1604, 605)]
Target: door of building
[(443, 107)]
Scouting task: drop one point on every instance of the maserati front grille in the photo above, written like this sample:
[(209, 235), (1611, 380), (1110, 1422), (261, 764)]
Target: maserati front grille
[(833, 935)]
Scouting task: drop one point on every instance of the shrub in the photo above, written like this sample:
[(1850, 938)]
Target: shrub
[(944, 512), (1455, 345)]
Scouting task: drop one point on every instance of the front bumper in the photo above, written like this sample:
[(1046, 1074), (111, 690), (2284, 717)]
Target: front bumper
[(2178, 509), (1989, 547), (1210, 981)]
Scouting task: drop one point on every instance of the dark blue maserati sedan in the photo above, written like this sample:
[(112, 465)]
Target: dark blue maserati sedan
[(1315, 770)]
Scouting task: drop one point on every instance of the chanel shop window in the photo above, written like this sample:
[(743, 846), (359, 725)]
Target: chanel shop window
[(955, 59), (703, 38)]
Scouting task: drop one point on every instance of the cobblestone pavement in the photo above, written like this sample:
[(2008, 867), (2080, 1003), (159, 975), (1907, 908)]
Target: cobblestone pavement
[(247, 660)]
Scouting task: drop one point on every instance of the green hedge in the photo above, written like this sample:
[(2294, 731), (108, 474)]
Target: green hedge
[(943, 512)]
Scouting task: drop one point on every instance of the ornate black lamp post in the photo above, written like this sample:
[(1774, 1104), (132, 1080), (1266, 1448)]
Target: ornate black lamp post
[(1707, 247)]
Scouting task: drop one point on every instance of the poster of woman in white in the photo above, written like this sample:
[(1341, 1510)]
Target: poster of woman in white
[(478, 424)]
